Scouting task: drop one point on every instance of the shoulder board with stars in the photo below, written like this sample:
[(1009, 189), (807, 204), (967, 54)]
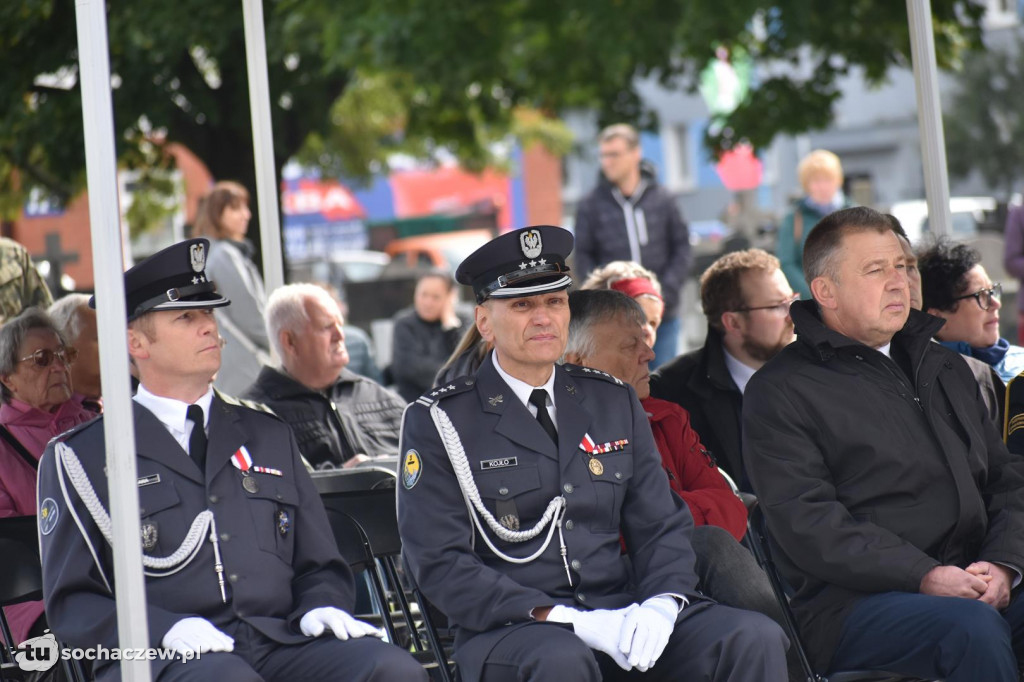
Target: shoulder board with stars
[(445, 390), (577, 371)]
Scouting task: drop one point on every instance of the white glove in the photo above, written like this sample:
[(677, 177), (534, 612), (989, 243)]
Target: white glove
[(598, 629), (646, 630), (337, 621), (196, 635)]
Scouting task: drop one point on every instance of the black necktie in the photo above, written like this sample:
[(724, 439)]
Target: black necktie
[(539, 397), (197, 441)]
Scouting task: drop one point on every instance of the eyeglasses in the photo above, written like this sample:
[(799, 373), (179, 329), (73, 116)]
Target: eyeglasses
[(985, 296), (777, 308), (44, 357)]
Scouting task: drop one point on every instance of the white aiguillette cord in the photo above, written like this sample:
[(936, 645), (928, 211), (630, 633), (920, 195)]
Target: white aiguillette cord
[(67, 461), (463, 472)]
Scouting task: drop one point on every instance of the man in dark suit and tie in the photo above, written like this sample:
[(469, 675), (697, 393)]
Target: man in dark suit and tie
[(242, 572), (516, 485)]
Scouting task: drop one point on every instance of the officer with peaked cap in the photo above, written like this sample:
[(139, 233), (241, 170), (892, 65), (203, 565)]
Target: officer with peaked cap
[(516, 484), (241, 565)]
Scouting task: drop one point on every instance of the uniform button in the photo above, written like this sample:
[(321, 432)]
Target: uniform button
[(582, 597), (280, 496), (503, 491), (569, 525), (618, 475), (224, 537), (568, 487), (233, 577), (576, 564), (214, 499)]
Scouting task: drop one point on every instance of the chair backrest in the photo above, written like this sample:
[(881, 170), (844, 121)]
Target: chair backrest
[(761, 542), (367, 496), (21, 576)]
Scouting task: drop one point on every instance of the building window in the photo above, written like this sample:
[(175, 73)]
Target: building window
[(679, 157), (1002, 13)]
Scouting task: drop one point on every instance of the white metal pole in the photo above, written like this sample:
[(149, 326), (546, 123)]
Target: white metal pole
[(929, 116), (263, 143), (118, 426)]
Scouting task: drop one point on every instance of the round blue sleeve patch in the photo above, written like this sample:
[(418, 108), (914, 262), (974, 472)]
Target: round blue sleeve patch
[(48, 513)]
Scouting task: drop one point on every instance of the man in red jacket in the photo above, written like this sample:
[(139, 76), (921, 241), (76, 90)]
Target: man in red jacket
[(606, 332)]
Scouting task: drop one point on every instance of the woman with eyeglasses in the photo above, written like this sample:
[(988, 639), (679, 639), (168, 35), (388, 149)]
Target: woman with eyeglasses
[(955, 287), (37, 404)]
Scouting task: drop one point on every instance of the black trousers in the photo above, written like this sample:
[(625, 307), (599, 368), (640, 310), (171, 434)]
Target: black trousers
[(711, 642), (326, 658)]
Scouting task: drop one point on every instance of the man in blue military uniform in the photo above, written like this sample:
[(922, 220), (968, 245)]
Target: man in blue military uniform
[(516, 485), (241, 565)]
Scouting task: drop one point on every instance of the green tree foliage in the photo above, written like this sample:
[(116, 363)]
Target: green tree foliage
[(985, 123), (352, 80), (473, 60)]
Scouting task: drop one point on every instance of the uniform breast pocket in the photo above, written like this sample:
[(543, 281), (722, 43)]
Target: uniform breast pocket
[(163, 526), (273, 508), (611, 480), (506, 491)]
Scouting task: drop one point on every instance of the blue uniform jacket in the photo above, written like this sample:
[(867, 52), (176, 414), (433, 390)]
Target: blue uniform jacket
[(280, 558), (478, 590)]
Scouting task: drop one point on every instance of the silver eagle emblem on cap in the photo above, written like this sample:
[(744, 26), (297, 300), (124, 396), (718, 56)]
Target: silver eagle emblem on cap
[(197, 256), (531, 243)]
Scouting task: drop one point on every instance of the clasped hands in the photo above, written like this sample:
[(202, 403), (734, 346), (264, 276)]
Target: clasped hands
[(634, 636), (199, 636), (982, 580)]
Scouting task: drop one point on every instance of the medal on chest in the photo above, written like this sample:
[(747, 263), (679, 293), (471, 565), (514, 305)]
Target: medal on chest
[(242, 461)]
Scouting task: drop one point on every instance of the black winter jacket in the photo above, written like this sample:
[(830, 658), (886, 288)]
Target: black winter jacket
[(368, 415), (655, 235), (871, 475)]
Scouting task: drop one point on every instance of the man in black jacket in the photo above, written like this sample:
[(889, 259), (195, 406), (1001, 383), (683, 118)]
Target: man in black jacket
[(898, 511), (629, 216), (339, 417), (746, 299)]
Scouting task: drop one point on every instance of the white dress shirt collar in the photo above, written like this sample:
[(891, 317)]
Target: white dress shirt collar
[(172, 413), (523, 389), (739, 372)]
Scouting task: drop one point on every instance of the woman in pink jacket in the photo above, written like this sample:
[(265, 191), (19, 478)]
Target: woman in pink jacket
[(38, 404)]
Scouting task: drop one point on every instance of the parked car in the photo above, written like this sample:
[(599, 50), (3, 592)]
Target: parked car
[(339, 269), (970, 215), (440, 250)]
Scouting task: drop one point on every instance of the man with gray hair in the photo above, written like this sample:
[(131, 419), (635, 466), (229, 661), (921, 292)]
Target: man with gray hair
[(897, 509), (606, 333), (77, 322), (629, 216), (339, 417)]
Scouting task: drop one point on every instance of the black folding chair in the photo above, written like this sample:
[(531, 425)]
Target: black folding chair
[(21, 580), (760, 543), (361, 508)]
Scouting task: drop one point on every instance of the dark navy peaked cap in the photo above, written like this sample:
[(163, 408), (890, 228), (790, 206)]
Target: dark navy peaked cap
[(523, 262), (173, 278)]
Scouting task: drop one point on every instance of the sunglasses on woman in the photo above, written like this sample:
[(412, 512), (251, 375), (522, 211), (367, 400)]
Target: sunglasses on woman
[(44, 357)]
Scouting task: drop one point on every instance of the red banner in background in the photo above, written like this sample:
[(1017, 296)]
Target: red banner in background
[(451, 190)]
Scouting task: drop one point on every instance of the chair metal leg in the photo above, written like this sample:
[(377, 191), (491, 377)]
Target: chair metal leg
[(381, 597), (435, 641), (403, 603)]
